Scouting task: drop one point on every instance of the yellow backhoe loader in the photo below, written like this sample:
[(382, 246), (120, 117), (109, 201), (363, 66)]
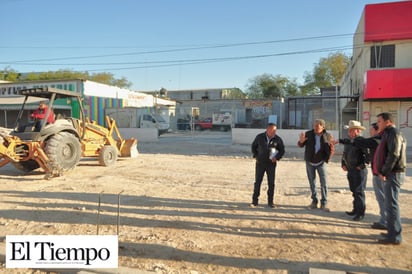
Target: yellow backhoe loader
[(58, 147)]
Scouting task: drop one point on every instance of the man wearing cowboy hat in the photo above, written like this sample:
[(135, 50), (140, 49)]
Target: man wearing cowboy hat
[(378, 185), (354, 161)]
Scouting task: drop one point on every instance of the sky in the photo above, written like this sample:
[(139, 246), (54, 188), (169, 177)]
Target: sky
[(177, 44)]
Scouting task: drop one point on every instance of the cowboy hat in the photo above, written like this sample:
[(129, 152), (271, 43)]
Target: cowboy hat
[(354, 124)]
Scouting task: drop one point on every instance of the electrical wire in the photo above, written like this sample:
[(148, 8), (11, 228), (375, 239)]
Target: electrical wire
[(200, 47)]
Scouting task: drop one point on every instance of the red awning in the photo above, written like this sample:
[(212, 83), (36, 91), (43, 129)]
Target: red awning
[(388, 84), (388, 21)]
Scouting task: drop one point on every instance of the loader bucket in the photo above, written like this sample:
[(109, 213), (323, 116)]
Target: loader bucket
[(128, 148)]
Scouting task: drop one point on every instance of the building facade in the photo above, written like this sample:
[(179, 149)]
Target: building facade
[(204, 103), (96, 98), (205, 94), (380, 73)]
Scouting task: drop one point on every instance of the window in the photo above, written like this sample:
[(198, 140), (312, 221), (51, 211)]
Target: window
[(147, 117), (383, 56)]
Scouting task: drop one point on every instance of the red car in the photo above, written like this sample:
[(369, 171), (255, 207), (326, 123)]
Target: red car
[(202, 124)]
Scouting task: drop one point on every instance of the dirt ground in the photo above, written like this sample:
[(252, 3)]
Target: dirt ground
[(184, 209)]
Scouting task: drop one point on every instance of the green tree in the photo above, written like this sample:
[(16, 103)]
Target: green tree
[(327, 73), (267, 86), (9, 74), (122, 83), (291, 87), (103, 77)]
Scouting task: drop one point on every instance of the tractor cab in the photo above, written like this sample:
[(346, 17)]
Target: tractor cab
[(39, 124)]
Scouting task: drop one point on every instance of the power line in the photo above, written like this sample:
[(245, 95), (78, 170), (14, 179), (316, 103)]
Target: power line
[(225, 59), (177, 62), (168, 63), (182, 62), (172, 50)]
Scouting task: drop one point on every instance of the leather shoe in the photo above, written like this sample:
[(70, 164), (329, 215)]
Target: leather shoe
[(351, 213), (388, 242), (358, 217), (324, 208), (378, 226), (313, 205)]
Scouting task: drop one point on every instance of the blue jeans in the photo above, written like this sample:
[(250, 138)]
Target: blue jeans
[(311, 173), (393, 218), (378, 187)]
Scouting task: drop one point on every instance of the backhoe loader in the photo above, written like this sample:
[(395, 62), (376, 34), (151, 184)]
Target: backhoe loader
[(58, 147)]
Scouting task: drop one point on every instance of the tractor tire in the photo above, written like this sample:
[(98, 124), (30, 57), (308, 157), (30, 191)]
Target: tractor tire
[(64, 151), (26, 166), (107, 155)]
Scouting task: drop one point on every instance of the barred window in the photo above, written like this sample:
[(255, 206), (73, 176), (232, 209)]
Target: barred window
[(383, 56)]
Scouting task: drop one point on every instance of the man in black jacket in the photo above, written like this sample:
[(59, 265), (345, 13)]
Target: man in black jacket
[(354, 162), (390, 165), (378, 186), (318, 149), (267, 149)]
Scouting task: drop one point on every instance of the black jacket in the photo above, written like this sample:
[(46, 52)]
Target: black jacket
[(370, 143), (261, 148), (326, 149), (391, 152), (355, 157)]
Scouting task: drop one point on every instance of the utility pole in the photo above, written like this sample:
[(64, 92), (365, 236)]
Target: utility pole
[(337, 108)]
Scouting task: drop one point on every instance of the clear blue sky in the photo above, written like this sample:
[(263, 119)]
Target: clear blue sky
[(177, 44)]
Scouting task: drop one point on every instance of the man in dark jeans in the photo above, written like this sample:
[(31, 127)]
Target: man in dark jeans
[(378, 186), (267, 149), (354, 161), (390, 165)]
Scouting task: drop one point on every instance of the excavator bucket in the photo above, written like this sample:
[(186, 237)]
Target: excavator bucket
[(128, 147)]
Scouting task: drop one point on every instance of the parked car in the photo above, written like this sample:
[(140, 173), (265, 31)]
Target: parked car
[(183, 124), (203, 124)]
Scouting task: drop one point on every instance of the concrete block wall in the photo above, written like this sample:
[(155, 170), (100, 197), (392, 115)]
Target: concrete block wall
[(245, 136), (142, 134)]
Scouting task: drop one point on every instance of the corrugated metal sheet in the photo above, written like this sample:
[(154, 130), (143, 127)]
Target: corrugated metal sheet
[(16, 100)]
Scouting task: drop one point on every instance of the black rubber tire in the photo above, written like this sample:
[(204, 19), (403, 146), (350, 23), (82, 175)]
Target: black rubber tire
[(197, 127), (26, 166), (64, 151), (108, 155)]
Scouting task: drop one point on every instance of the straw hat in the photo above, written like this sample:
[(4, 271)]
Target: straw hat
[(354, 124)]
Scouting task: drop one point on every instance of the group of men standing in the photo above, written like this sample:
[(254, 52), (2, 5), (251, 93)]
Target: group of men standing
[(385, 150)]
